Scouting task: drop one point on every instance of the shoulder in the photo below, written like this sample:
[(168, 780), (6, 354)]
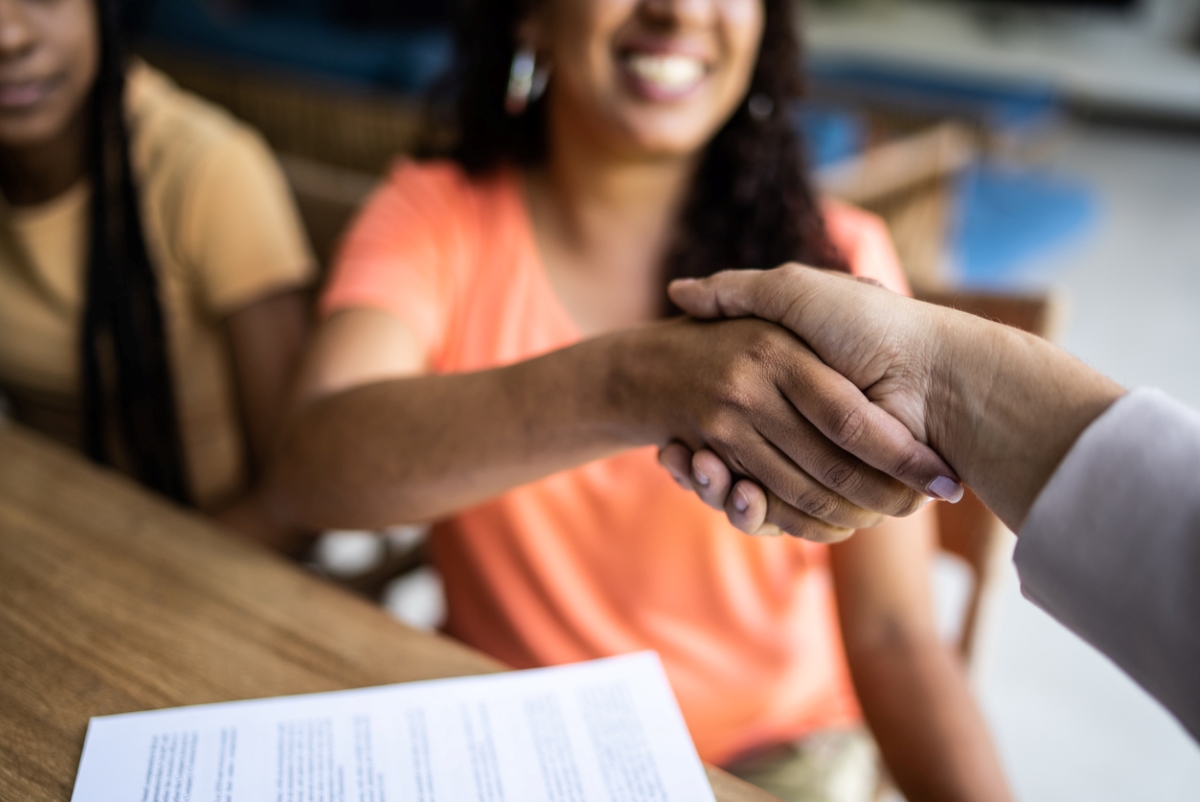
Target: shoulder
[(864, 240), (432, 201), (441, 186), (216, 207), (176, 135)]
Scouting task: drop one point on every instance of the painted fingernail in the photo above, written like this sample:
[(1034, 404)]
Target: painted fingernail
[(740, 503), (946, 489), (700, 478)]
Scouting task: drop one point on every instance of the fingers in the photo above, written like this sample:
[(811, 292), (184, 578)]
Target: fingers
[(856, 449), (760, 512), (711, 478), (765, 294), (732, 293), (796, 523), (840, 472), (854, 425), (747, 506), (746, 509), (677, 459), (780, 475)]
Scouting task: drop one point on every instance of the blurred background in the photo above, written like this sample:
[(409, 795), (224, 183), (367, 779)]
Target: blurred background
[(1037, 162)]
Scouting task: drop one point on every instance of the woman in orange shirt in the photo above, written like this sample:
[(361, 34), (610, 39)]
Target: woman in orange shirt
[(493, 358)]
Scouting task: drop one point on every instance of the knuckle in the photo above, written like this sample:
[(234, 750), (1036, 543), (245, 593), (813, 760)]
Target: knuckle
[(848, 426), (818, 504), (834, 535), (908, 464), (844, 477), (721, 426), (910, 501), (817, 532), (763, 346)]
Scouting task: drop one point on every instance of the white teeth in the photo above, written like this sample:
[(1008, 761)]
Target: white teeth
[(668, 71)]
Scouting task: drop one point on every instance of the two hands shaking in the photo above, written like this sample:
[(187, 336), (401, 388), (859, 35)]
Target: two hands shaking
[(913, 400)]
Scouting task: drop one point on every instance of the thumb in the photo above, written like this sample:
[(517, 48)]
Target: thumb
[(731, 293), (765, 294)]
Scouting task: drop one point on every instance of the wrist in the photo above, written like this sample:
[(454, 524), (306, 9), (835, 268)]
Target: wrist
[(622, 369), (962, 371), (1006, 407)]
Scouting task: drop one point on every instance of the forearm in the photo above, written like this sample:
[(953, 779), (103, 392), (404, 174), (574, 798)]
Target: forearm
[(1005, 407), (928, 727), (249, 516), (418, 448)]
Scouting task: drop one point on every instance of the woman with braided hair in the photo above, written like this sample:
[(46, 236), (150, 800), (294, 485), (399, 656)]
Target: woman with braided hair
[(494, 357), (151, 265)]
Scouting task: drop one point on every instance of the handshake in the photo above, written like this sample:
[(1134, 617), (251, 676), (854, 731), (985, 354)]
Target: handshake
[(898, 401)]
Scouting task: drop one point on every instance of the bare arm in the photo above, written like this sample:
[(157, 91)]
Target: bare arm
[(912, 688), (266, 339), (374, 440)]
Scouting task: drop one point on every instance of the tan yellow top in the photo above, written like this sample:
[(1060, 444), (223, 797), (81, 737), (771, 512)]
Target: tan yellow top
[(222, 231)]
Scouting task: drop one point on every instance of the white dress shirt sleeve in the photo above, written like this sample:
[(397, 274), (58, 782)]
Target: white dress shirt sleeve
[(1111, 547)]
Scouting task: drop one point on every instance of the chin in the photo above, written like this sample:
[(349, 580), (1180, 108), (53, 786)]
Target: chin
[(26, 131), (17, 137), (670, 134)]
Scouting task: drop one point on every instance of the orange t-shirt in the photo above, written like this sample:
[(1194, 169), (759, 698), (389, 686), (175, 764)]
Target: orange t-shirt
[(613, 556)]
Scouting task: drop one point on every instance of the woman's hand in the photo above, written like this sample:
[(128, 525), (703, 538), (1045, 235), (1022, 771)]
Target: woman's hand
[(702, 472), (758, 398)]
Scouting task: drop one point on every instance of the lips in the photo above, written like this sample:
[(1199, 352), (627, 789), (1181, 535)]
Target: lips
[(663, 76), (15, 96)]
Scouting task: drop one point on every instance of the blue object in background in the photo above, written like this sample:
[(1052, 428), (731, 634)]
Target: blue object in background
[(297, 38), (831, 133), (1009, 107), (1009, 216)]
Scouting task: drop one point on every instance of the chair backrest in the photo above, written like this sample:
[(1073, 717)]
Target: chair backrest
[(968, 530), (328, 197)]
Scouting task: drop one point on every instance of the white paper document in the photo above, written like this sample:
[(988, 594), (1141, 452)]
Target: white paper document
[(609, 731)]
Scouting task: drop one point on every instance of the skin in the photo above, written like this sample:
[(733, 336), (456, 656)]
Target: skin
[(376, 440), (49, 58), (266, 341), (1003, 406)]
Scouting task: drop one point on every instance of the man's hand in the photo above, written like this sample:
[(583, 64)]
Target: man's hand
[(1003, 407)]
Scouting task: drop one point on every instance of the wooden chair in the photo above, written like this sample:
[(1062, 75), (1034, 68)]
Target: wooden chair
[(328, 198)]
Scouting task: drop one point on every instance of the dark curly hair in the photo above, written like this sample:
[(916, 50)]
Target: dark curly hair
[(750, 204)]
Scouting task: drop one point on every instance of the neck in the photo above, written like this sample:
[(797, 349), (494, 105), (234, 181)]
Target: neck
[(599, 200), (37, 173)]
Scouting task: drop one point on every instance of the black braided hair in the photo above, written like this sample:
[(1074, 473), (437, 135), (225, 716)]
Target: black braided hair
[(750, 204), (128, 395)]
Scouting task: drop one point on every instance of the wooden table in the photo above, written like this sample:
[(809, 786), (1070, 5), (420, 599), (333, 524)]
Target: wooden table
[(112, 601)]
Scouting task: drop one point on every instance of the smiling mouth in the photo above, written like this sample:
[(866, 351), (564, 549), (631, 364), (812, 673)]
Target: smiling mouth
[(24, 95), (665, 73)]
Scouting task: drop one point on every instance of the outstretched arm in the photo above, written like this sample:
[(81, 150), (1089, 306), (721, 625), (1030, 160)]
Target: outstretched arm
[(375, 440)]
